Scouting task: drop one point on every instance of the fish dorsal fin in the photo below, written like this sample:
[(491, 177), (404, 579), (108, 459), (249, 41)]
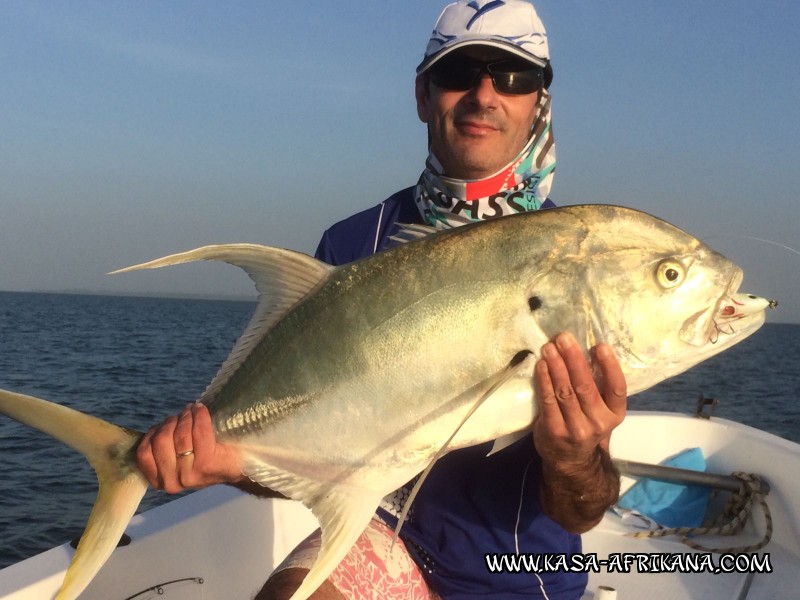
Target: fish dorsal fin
[(494, 382), (408, 232), (282, 277), (343, 513)]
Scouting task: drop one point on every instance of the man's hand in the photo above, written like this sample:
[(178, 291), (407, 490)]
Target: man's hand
[(575, 417), (182, 453), (573, 430)]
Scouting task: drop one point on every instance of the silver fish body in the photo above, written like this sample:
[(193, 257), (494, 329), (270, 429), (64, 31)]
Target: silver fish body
[(401, 344), (350, 380)]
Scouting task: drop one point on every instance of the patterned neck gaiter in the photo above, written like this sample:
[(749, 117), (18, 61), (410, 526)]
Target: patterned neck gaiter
[(521, 186)]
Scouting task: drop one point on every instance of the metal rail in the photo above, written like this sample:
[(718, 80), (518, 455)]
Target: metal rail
[(676, 475)]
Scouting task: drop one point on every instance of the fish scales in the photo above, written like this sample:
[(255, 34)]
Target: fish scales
[(331, 342)]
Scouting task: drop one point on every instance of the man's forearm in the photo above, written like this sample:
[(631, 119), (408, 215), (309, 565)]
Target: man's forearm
[(576, 495)]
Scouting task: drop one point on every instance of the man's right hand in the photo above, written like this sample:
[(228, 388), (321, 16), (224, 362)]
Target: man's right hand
[(182, 453)]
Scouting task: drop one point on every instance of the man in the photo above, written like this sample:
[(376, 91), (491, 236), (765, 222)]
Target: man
[(482, 90)]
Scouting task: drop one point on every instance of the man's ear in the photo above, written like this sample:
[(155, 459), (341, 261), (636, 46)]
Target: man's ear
[(422, 94)]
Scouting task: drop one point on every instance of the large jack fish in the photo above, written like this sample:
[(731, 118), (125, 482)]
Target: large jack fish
[(349, 381)]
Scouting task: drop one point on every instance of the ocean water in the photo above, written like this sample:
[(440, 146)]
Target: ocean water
[(134, 361)]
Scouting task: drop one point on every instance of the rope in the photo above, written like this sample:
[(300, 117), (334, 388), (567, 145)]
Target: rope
[(731, 520)]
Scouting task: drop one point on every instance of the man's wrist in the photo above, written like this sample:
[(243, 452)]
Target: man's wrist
[(575, 494)]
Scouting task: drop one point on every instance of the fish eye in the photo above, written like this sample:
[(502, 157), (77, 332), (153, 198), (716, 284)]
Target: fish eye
[(670, 273)]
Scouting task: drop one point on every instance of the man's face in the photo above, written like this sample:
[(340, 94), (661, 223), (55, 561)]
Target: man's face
[(475, 133)]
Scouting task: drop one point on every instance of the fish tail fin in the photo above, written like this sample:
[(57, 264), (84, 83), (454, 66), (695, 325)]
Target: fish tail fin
[(117, 501), (107, 447)]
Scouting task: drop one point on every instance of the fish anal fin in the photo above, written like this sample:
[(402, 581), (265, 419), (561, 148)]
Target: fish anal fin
[(343, 512), (343, 516)]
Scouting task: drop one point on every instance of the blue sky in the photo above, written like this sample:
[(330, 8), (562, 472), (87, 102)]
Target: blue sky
[(133, 130)]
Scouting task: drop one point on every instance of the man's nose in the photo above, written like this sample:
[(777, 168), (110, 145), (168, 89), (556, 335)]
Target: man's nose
[(483, 91)]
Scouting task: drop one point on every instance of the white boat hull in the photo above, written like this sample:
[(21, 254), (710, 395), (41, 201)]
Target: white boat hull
[(232, 542), (220, 535), (728, 447)]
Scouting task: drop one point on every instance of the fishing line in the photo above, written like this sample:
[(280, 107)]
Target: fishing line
[(757, 239), (774, 243), (516, 526)]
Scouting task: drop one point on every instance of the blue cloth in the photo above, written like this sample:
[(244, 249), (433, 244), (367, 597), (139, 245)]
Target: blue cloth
[(470, 503), (671, 504), (368, 232)]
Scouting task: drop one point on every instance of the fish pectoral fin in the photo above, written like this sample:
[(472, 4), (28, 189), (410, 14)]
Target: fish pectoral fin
[(282, 277), (107, 447), (506, 440), (343, 513), (493, 383)]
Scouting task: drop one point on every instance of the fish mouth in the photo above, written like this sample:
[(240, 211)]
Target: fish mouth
[(735, 314)]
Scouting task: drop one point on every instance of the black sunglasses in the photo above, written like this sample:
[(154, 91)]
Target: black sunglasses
[(509, 75)]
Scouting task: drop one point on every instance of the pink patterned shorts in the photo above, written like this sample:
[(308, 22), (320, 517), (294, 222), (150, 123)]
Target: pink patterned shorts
[(370, 570)]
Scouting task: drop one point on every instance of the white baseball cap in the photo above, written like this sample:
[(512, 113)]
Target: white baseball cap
[(511, 25)]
